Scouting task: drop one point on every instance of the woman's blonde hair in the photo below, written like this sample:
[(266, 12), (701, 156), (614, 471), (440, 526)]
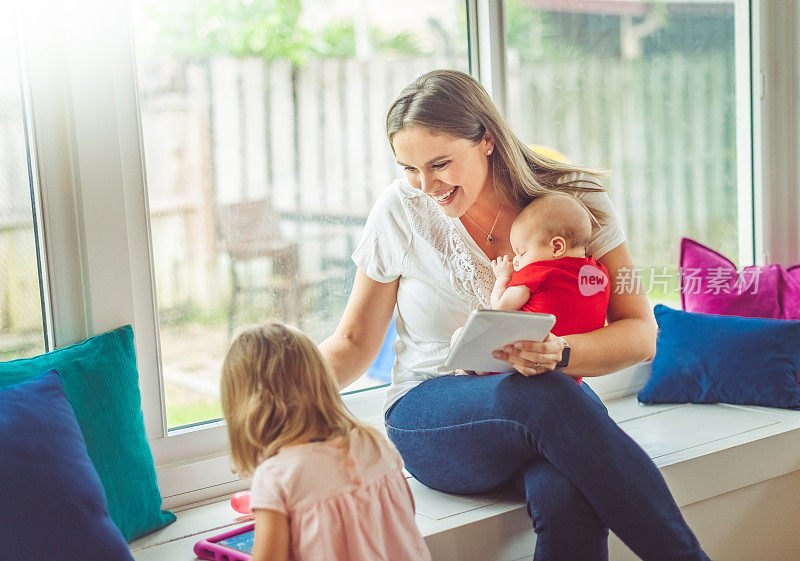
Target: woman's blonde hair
[(454, 103), (275, 388)]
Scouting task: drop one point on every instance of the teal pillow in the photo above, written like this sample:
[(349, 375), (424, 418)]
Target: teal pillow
[(102, 385)]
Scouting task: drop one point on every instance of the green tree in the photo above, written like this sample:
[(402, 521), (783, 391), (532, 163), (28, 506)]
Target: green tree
[(200, 28), (268, 29)]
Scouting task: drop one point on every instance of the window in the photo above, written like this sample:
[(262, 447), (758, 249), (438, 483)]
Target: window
[(263, 137), (90, 128), (648, 91), (22, 324)]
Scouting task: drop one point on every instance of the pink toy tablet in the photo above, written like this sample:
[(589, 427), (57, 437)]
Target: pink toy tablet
[(236, 545)]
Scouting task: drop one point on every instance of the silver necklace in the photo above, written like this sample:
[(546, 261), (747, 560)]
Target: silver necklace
[(489, 237)]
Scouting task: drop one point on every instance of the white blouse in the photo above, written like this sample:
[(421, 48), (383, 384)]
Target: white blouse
[(443, 274)]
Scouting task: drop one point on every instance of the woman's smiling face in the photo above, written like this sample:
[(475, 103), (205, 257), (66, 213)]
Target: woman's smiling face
[(452, 171)]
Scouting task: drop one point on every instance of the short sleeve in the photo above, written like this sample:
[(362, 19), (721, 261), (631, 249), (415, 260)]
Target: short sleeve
[(266, 491), (609, 235), (385, 239), (532, 276)]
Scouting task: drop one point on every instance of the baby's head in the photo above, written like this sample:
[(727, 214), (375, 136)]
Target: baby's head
[(276, 387), (551, 226)]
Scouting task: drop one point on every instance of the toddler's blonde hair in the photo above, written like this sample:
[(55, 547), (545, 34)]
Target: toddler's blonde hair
[(275, 388)]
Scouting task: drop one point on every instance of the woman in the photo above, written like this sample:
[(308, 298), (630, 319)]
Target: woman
[(426, 250)]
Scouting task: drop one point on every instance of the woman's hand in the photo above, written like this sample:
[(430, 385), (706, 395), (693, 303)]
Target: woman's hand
[(455, 335), (532, 357)]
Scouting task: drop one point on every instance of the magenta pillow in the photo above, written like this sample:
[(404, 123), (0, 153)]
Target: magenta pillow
[(710, 284), (791, 293)]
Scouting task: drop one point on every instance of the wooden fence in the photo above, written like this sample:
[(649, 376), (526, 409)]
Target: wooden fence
[(664, 127), (311, 140)]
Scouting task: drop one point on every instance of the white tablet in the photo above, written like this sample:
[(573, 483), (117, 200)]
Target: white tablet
[(487, 330)]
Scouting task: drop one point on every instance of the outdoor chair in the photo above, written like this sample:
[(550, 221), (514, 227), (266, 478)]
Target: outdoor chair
[(249, 232)]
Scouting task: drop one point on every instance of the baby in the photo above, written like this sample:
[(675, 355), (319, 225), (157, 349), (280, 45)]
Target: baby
[(550, 272)]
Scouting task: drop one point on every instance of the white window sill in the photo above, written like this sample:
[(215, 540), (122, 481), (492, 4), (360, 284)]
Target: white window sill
[(187, 482), (707, 454), (209, 477)]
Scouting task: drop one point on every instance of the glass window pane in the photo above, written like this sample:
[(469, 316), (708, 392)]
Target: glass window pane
[(646, 91), (264, 146), (21, 328)]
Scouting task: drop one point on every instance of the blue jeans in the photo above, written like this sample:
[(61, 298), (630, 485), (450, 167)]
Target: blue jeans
[(580, 473)]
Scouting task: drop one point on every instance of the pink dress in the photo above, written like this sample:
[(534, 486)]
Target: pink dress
[(356, 507)]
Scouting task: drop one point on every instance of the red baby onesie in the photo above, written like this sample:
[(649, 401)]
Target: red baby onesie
[(574, 289)]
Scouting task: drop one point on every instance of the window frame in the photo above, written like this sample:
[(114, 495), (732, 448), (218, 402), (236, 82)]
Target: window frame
[(79, 68), (34, 189), (775, 103), (86, 132)]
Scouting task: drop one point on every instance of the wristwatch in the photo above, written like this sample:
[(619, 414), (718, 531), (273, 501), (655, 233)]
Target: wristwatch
[(564, 354)]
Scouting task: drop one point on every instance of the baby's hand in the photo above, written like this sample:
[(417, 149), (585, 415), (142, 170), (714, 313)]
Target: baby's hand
[(502, 266)]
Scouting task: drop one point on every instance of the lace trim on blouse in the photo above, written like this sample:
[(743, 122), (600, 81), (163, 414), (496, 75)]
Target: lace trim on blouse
[(471, 276)]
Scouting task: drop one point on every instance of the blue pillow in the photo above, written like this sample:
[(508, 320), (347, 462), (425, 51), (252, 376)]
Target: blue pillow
[(102, 385), (52, 504), (705, 358)]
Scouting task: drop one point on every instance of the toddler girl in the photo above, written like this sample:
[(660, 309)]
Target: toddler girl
[(325, 486)]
